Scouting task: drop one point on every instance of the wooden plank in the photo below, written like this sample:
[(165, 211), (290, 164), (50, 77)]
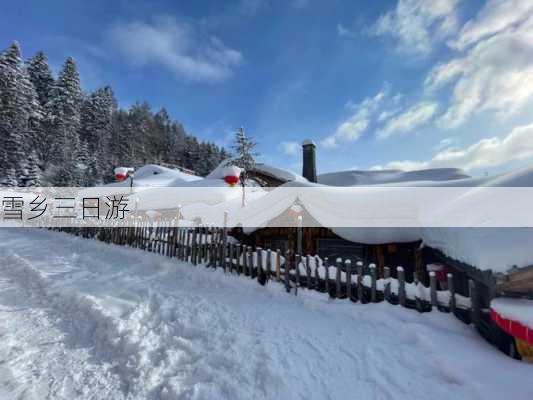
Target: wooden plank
[(401, 289), (348, 269), (373, 283)]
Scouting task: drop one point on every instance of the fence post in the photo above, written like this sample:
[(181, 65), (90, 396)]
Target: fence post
[(316, 278), (244, 260), (386, 290), (194, 251), (297, 271), (251, 265), (348, 269), (373, 279), (338, 279), (326, 274), (433, 288), (260, 271), (451, 289), (225, 239), (278, 264), (475, 311), (360, 290), (286, 271), (418, 300), (308, 283), (231, 248), (401, 288), (239, 262), (269, 263)]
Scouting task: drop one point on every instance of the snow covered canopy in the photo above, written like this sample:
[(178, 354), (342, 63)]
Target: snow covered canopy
[(486, 248)]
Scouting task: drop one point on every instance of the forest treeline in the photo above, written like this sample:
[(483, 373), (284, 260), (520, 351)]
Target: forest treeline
[(54, 133)]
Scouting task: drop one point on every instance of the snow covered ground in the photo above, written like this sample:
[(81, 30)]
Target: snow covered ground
[(82, 319)]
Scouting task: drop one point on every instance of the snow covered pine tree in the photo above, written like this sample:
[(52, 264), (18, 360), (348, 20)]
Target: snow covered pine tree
[(18, 109), (244, 158)]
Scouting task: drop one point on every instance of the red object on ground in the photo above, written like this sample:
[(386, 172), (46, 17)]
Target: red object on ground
[(513, 328), (231, 180)]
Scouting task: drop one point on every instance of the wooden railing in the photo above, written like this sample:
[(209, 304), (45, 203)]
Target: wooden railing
[(212, 247)]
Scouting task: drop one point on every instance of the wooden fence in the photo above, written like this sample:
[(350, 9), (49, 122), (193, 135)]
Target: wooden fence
[(212, 247)]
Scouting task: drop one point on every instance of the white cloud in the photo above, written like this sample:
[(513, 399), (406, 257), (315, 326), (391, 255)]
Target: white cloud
[(416, 24), (352, 128), (495, 75), (342, 31), (495, 16), (414, 117), (488, 152), (290, 148), (176, 45)]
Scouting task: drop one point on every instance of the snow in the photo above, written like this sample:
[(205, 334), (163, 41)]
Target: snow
[(152, 175), (379, 177), (519, 310), (82, 319), (280, 173)]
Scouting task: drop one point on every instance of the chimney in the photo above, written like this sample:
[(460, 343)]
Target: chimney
[(309, 162)]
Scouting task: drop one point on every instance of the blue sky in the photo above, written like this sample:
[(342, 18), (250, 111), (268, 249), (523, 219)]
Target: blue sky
[(379, 84)]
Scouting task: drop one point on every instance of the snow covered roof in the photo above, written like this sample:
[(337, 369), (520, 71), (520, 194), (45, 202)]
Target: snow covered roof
[(486, 248), (279, 173), (152, 175)]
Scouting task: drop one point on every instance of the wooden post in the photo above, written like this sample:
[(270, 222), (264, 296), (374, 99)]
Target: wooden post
[(251, 265), (299, 249), (194, 251), (269, 263), (224, 239), (316, 279), (286, 271), (401, 288), (433, 288), (348, 269), (475, 311), (297, 271), (386, 290), (451, 289), (278, 264), (326, 274), (308, 283), (338, 279), (418, 301), (231, 247), (373, 283), (239, 262), (360, 290), (245, 260), (260, 270)]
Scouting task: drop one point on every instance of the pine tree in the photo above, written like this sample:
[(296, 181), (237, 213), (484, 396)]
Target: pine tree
[(9, 178), (64, 108), (33, 172), (19, 111), (43, 81), (244, 158), (40, 76), (96, 127), (76, 140)]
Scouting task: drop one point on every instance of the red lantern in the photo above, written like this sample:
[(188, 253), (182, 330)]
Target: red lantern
[(120, 177), (231, 175), (121, 173), (231, 180)]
